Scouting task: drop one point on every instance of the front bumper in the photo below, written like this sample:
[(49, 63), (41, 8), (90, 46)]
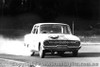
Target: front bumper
[(61, 48)]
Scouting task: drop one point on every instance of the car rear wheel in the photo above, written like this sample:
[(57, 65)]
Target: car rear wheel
[(41, 53), (75, 53)]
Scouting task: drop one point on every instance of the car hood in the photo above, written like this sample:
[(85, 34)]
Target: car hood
[(60, 37)]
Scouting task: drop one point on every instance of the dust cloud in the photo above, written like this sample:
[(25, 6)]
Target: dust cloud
[(13, 46)]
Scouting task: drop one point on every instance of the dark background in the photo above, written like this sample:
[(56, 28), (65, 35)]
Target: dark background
[(22, 14)]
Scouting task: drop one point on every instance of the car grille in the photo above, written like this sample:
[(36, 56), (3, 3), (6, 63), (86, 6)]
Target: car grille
[(61, 42)]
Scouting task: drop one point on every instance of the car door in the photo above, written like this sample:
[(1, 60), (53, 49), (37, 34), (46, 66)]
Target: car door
[(35, 38)]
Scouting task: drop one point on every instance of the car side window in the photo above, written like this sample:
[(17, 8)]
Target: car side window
[(35, 31)]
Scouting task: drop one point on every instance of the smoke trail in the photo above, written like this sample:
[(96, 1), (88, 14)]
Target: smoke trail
[(13, 46)]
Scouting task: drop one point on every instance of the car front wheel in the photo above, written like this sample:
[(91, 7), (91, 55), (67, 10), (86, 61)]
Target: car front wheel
[(41, 53), (75, 53), (33, 54)]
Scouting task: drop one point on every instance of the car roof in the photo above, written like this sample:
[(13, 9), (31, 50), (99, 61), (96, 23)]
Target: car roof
[(38, 24)]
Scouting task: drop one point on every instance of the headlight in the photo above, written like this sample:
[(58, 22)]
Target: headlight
[(78, 43), (46, 42)]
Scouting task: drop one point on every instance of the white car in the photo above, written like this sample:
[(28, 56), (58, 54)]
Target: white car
[(52, 37)]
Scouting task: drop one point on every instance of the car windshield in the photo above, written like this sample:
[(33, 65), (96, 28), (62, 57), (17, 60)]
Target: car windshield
[(54, 28)]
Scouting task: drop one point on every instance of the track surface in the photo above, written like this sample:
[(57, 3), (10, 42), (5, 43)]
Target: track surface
[(89, 56)]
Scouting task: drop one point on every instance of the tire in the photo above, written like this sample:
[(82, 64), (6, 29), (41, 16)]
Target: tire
[(33, 54), (61, 53), (41, 52), (75, 53)]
